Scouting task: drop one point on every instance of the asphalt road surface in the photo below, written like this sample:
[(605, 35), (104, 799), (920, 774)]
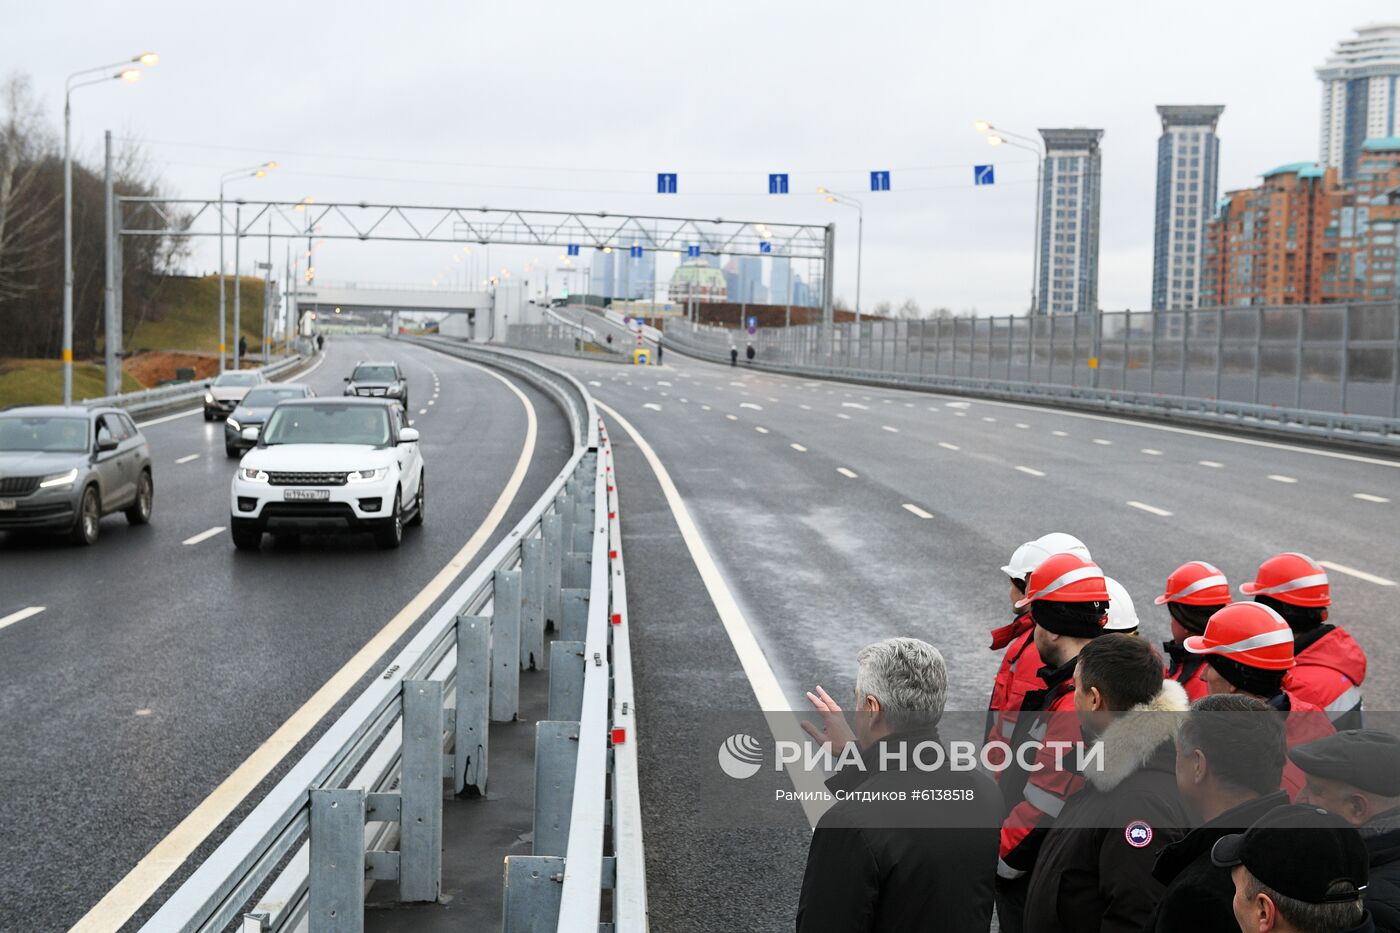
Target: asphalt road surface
[(163, 658), (838, 515)]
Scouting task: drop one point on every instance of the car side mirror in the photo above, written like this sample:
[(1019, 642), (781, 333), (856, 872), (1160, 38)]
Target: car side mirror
[(408, 436), (250, 434), (106, 442), (347, 378)]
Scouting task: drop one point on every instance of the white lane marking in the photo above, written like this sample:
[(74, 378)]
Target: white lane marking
[(989, 418), (432, 401), (805, 407), (1022, 425), (957, 404), (141, 883), (751, 405), (653, 406), (732, 417), (187, 458), (934, 410), (203, 535), (739, 384), (665, 394), (1151, 451), (760, 430), (799, 448), (843, 416), (1358, 574), (1213, 464), (855, 405), (771, 399), (706, 408), (751, 657), (1151, 509), (422, 411), (1030, 471), (663, 382), (595, 382), (1367, 497), (20, 616), (849, 474), (1102, 442), (1278, 478), (915, 510), (947, 446), (1060, 433), (685, 401), (960, 414), (886, 427), (887, 401), (908, 404)]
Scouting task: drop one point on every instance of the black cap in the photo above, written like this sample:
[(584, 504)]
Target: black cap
[(1367, 759), (1300, 852)]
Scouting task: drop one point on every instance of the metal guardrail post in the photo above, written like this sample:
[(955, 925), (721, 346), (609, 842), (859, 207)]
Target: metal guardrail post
[(533, 889), (1127, 345), (1153, 321), (575, 610), (1395, 366), (1345, 362), (1298, 358), (1258, 350), (556, 759), (565, 680), (505, 642), (471, 724), (337, 876), (1185, 347), (1219, 349), (532, 604), (552, 531), (420, 826)]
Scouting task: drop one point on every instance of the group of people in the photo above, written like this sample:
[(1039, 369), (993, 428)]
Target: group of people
[(1227, 783)]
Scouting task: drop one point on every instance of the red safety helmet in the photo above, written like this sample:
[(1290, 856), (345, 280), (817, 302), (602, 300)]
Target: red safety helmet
[(1250, 633), (1065, 578), (1291, 578), (1196, 583)]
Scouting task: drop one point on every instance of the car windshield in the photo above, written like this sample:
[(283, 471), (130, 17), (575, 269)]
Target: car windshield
[(44, 434), (237, 379), (328, 424), (267, 397), (374, 374)]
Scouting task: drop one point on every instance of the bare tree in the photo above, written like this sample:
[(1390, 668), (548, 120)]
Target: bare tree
[(883, 309), (910, 310), (839, 303), (26, 149)]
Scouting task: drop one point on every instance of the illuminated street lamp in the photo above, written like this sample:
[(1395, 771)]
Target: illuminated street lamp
[(1000, 137), (833, 197), (255, 171)]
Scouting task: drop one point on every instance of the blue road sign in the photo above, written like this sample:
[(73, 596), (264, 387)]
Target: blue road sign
[(665, 182), (764, 246), (573, 249), (880, 181), (753, 322), (777, 183), (984, 175), (692, 251), (636, 252)]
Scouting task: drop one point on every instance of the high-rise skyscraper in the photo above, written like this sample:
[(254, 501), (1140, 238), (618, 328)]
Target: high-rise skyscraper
[(1359, 94), (1069, 221), (601, 281), (780, 280), (751, 290), (1188, 169)]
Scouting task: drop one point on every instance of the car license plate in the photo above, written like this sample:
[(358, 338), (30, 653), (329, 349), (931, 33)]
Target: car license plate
[(7, 505), (314, 495)]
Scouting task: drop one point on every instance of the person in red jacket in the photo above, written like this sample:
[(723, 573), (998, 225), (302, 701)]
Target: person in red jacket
[(1019, 661), (1248, 649), (1195, 591), (1331, 665), (1068, 601)]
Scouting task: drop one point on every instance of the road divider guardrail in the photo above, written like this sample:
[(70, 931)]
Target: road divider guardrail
[(364, 803), (161, 398)]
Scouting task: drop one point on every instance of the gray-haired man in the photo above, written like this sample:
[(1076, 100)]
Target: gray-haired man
[(911, 844)]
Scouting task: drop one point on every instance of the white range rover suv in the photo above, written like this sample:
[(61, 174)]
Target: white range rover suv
[(329, 465)]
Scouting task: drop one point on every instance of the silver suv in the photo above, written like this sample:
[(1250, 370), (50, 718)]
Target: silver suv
[(63, 468)]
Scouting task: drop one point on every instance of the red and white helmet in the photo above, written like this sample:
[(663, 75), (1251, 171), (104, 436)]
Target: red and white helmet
[(1032, 554), (1250, 633), (1291, 578), (1196, 583), (1065, 578)]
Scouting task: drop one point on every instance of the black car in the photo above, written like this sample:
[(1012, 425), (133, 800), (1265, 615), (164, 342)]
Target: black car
[(378, 379), (253, 411)]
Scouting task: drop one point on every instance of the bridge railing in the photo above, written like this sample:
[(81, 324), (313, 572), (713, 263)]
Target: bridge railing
[(364, 803)]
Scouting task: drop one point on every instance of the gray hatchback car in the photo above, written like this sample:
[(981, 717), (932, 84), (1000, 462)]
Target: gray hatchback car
[(63, 468)]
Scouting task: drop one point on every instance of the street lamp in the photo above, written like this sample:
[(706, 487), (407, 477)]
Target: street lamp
[(834, 197), (1001, 137), (254, 171), (127, 74)]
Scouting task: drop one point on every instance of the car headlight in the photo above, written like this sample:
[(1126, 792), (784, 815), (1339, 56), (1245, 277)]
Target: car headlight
[(252, 475), (233, 423), (59, 479), (349, 390), (365, 476), (396, 390), (209, 398)]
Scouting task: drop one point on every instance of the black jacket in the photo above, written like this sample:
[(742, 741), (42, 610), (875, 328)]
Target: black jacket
[(1382, 837), (1094, 871), (905, 866), (1199, 894)]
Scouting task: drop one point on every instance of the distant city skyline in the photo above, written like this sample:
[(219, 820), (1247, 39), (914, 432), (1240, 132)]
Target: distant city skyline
[(1069, 221), (1188, 170)]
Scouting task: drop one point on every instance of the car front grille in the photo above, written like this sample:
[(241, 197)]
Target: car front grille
[(18, 485), (375, 391), (306, 479)]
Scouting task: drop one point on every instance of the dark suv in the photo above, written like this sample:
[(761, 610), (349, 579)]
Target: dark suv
[(378, 379)]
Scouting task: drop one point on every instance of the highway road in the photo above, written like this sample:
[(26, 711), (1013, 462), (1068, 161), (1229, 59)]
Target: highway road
[(162, 659), (836, 515)]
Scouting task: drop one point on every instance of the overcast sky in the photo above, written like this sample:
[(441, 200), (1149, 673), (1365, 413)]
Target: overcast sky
[(577, 106)]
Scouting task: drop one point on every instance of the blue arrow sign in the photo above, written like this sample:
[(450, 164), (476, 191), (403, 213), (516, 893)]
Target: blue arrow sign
[(692, 251), (636, 252), (573, 249), (753, 322), (880, 181), (778, 183), (666, 183), (764, 246), (984, 175)]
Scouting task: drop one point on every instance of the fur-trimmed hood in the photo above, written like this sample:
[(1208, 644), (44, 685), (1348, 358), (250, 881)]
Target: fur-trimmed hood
[(1133, 738)]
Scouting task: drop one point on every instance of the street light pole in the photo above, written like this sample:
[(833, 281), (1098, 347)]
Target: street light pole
[(127, 74), (255, 171), (833, 197), (1000, 137)]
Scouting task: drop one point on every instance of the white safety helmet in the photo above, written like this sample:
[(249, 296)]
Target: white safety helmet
[(1033, 553), (1122, 617)]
